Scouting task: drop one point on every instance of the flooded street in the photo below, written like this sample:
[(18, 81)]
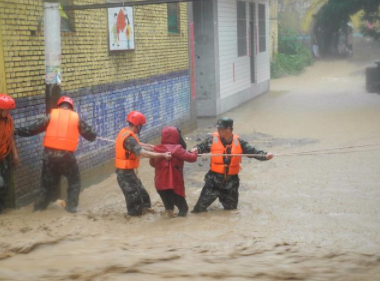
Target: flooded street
[(300, 217)]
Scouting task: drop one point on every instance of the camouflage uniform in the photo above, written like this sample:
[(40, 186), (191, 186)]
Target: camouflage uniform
[(4, 181), (226, 188), (136, 197), (5, 176), (56, 163)]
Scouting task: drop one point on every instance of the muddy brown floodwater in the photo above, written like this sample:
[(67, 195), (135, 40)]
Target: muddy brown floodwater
[(299, 218)]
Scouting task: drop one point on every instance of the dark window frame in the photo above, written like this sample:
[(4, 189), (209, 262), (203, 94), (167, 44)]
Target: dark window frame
[(241, 17), (171, 29), (67, 25), (262, 28)]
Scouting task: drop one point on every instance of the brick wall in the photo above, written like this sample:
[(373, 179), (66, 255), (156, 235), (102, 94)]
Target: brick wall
[(86, 61), (23, 52), (2, 66), (154, 78)]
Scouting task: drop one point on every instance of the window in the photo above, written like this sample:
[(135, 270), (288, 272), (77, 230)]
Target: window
[(262, 29), (67, 17), (173, 18), (241, 29)]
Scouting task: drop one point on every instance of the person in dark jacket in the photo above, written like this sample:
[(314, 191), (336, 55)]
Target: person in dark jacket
[(168, 178)]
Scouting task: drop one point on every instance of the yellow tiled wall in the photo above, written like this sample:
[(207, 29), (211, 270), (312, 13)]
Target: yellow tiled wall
[(86, 61)]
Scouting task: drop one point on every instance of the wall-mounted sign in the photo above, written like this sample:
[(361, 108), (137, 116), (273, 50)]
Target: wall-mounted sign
[(121, 29)]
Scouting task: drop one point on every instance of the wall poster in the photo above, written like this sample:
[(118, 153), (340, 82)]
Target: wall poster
[(121, 29)]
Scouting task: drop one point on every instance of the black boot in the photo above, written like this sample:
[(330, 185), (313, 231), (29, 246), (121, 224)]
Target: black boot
[(72, 209)]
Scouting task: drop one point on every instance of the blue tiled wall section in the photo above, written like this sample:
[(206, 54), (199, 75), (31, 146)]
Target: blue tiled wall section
[(164, 99)]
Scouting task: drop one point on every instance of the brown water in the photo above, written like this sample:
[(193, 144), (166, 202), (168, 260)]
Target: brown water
[(299, 218)]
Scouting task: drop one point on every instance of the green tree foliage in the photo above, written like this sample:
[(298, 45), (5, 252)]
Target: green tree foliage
[(292, 56), (336, 13), (371, 15)]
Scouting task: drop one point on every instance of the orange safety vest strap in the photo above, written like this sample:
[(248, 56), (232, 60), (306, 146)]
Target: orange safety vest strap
[(63, 130), (217, 162), (6, 136), (125, 159)]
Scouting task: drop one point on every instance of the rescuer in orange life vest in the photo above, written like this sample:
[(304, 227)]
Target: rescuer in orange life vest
[(128, 152), (63, 127), (222, 181), (8, 152)]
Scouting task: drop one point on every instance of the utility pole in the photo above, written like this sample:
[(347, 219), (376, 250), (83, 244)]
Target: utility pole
[(52, 29)]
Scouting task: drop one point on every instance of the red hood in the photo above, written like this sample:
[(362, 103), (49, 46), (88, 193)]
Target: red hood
[(169, 140), (169, 135)]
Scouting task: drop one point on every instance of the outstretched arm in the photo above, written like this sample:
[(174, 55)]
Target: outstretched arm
[(248, 149), (34, 129), (86, 131), (203, 147), (154, 155), (147, 146), (131, 144), (184, 155)]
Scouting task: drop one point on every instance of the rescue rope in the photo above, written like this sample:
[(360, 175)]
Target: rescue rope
[(104, 139), (337, 150), (6, 137), (143, 145)]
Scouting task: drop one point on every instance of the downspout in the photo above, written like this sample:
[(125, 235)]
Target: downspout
[(191, 55), (2, 62), (52, 33)]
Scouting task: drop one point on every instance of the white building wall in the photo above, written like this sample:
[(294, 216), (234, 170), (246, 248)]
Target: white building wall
[(231, 84), (263, 59)]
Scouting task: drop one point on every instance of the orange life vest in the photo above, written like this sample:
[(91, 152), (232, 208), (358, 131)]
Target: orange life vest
[(63, 130), (125, 159), (6, 136), (217, 163)]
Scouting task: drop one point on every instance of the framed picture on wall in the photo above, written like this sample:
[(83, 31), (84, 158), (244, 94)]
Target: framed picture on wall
[(121, 29)]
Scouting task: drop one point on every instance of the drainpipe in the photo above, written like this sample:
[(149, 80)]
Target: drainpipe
[(52, 29), (191, 55), (3, 79)]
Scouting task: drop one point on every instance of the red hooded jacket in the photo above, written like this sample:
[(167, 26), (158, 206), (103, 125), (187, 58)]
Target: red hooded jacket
[(169, 174)]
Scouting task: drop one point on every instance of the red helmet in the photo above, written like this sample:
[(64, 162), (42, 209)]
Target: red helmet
[(65, 99), (136, 118), (6, 102)]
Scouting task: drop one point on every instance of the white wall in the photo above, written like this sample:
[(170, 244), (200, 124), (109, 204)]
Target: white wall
[(263, 59), (228, 53)]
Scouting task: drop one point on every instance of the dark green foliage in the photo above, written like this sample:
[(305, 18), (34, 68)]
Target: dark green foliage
[(374, 18), (292, 56), (336, 13), (288, 43)]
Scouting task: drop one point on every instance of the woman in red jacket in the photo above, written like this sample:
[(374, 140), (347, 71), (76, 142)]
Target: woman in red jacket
[(168, 179)]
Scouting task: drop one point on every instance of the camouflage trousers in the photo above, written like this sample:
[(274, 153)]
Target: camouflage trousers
[(4, 182), (136, 197), (217, 186), (53, 167)]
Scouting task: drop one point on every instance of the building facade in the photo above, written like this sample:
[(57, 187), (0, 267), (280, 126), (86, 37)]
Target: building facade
[(232, 53), (153, 78)]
